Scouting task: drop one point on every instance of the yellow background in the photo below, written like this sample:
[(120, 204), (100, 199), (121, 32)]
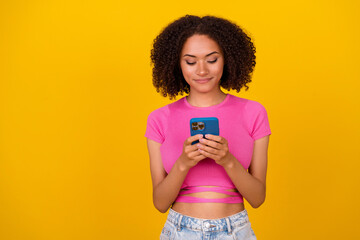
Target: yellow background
[(76, 89)]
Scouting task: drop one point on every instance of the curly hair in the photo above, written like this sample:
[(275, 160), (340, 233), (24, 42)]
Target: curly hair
[(237, 47)]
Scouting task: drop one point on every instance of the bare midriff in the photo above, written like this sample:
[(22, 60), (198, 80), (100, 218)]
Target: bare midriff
[(208, 210)]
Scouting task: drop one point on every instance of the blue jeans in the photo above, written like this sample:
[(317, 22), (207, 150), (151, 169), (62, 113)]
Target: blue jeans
[(234, 227)]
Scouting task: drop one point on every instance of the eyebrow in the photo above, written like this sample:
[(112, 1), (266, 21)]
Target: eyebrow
[(205, 56)]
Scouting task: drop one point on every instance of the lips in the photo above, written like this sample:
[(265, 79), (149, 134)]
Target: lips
[(202, 80)]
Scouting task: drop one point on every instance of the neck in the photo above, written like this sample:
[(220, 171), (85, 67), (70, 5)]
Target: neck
[(205, 99)]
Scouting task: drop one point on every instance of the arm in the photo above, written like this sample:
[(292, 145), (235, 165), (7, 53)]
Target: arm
[(252, 184), (166, 187)]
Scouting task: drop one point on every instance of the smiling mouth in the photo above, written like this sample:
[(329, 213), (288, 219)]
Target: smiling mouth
[(202, 80)]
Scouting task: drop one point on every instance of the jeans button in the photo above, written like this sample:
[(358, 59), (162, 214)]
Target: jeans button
[(207, 225)]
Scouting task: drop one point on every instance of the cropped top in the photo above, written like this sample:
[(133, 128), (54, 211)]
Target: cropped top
[(241, 122)]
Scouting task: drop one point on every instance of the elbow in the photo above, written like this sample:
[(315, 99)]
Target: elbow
[(158, 204), (258, 202), (160, 208)]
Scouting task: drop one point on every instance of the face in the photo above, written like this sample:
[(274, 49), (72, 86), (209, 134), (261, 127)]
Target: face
[(202, 64)]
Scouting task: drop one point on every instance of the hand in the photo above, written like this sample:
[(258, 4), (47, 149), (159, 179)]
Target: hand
[(216, 148), (190, 155)]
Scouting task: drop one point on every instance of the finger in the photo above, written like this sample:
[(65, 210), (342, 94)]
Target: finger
[(211, 143), (194, 154), (191, 148), (193, 138), (208, 149), (199, 158), (215, 138), (209, 155)]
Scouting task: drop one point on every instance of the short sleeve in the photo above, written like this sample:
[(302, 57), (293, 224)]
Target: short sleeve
[(260, 126), (155, 127)]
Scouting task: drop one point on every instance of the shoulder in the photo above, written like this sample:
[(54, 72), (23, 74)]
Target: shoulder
[(248, 104), (254, 106), (159, 111), (164, 112), (157, 122), (251, 110)]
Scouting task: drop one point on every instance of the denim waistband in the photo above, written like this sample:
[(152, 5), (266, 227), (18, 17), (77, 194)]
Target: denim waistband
[(221, 224)]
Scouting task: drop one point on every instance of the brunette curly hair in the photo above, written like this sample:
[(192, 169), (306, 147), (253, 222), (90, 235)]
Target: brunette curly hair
[(237, 47)]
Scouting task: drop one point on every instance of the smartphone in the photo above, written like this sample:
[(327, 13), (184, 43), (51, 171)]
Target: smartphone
[(207, 125)]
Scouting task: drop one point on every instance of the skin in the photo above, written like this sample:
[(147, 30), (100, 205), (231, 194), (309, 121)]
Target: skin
[(202, 63)]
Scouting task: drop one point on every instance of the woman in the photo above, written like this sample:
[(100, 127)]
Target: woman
[(203, 184)]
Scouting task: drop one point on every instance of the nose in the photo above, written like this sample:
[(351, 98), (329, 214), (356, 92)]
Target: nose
[(202, 69)]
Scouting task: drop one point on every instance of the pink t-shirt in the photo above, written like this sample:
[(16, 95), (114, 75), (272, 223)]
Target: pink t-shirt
[(241, 122)]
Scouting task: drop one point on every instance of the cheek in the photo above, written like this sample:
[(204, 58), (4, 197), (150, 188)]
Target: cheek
[(218, 70), (186, 71)]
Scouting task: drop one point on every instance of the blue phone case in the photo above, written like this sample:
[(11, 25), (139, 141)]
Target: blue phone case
[(207, 125)]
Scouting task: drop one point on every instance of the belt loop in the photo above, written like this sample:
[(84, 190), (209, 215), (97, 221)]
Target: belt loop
[(179, 223), (228, 225)]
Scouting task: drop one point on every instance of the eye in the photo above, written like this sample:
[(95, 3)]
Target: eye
[(213, 61), (190, 63)]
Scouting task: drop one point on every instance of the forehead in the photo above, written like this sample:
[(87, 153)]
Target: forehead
[(199, 45)]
